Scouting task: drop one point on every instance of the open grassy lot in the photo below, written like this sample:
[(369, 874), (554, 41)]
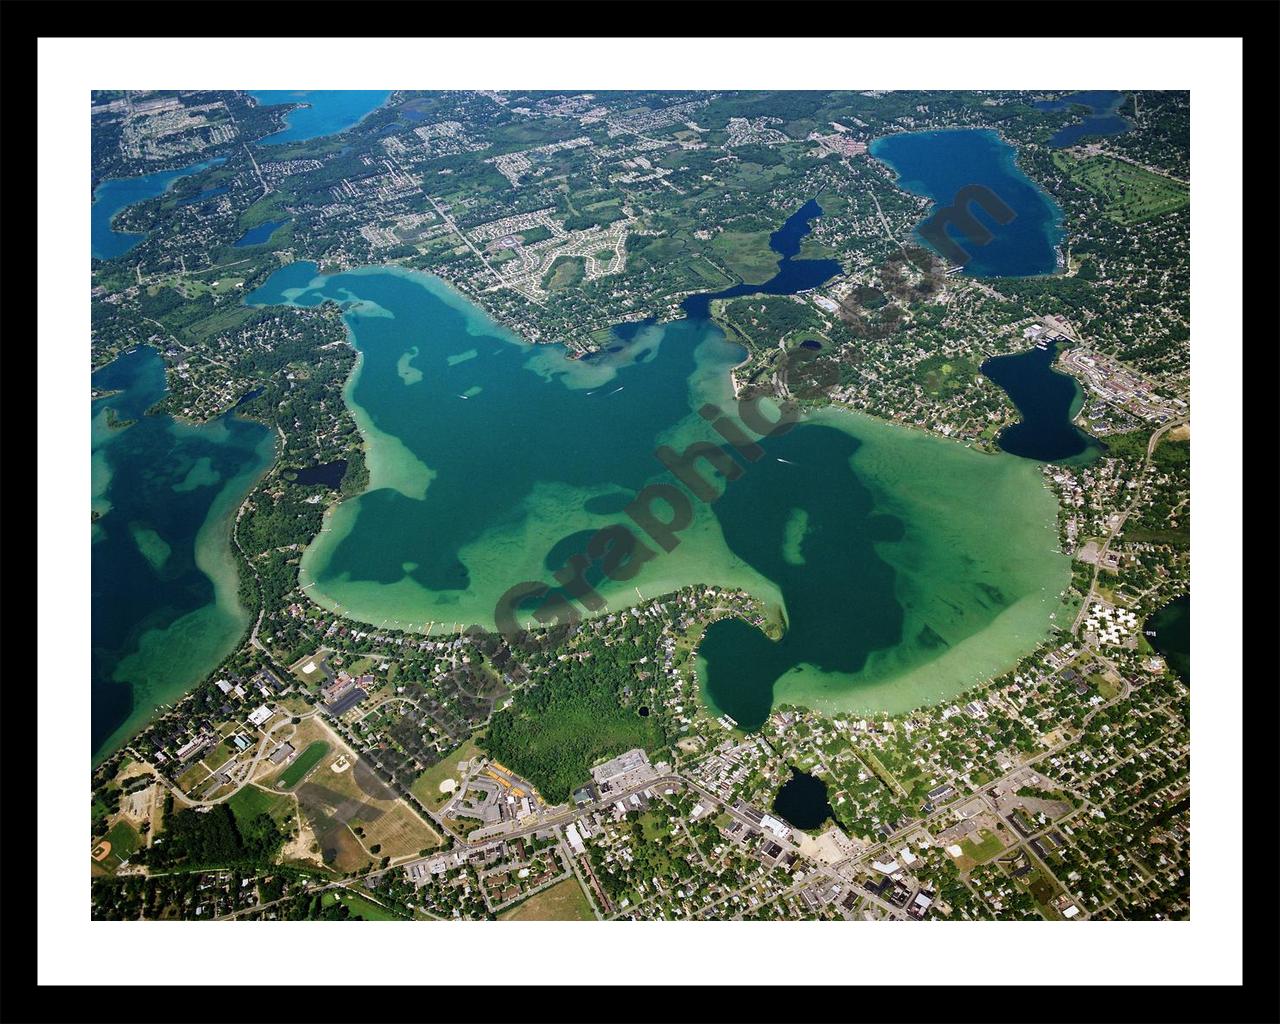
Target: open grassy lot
[(747, 254), (192, 776), (1041, 888), (564, 901), (361, 909), (252, 801), (356, 817), (1106, 688), (986, 847), (566, 272), (340, 850), (221, 754), (645, 251), (399, 832), (940, 375), (302, 764), (812, 249), (426, 787), (1131, 193), (295, 704), (709, 274), (656, 827), (321, 662)]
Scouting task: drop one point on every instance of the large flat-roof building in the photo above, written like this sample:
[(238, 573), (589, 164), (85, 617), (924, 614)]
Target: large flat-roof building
[(624, 771)]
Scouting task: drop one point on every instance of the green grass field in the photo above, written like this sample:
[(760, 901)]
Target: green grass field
[(709, 274), (193, 775), (361, 908), (124, 841), (983, 850), (564, 901), (221, 753), (302, 764), (747, 254), (426, 787), (1131, 194), (252, 801), (656, 827), (812, 249), (566, 272), (655, 252), (1042, 890), (268, 208), (940, 375)]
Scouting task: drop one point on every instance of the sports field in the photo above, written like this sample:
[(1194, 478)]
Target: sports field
[(302, 764), (426, 787), (987, 847), (121, 842)]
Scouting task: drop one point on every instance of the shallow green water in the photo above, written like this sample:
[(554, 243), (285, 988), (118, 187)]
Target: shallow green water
[(906, 566), (468, 495), (924, 567), (164, 604)]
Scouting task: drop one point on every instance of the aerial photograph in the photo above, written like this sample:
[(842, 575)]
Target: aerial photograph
[(639, 506)]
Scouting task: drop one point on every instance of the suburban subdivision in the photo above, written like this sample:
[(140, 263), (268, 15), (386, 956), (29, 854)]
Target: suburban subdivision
[(640, 506)]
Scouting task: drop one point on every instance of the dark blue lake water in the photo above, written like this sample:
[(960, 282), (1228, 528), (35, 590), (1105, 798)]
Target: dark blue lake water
[(330, 110), (1047, 402), (1169, 632), (1102, 120), (259, 234), (115, 194), (938, 164), (793, 275), (802, 801), (164, 606), (208, 193), (329, 474)]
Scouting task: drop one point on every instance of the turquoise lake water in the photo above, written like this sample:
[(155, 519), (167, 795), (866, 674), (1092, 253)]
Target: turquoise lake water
[(904, 566), (330, 110)]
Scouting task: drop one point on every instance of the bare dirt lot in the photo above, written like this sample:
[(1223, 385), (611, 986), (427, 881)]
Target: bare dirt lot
[(336, 803)]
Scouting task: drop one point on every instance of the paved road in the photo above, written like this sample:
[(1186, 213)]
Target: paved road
[(253, 766)]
